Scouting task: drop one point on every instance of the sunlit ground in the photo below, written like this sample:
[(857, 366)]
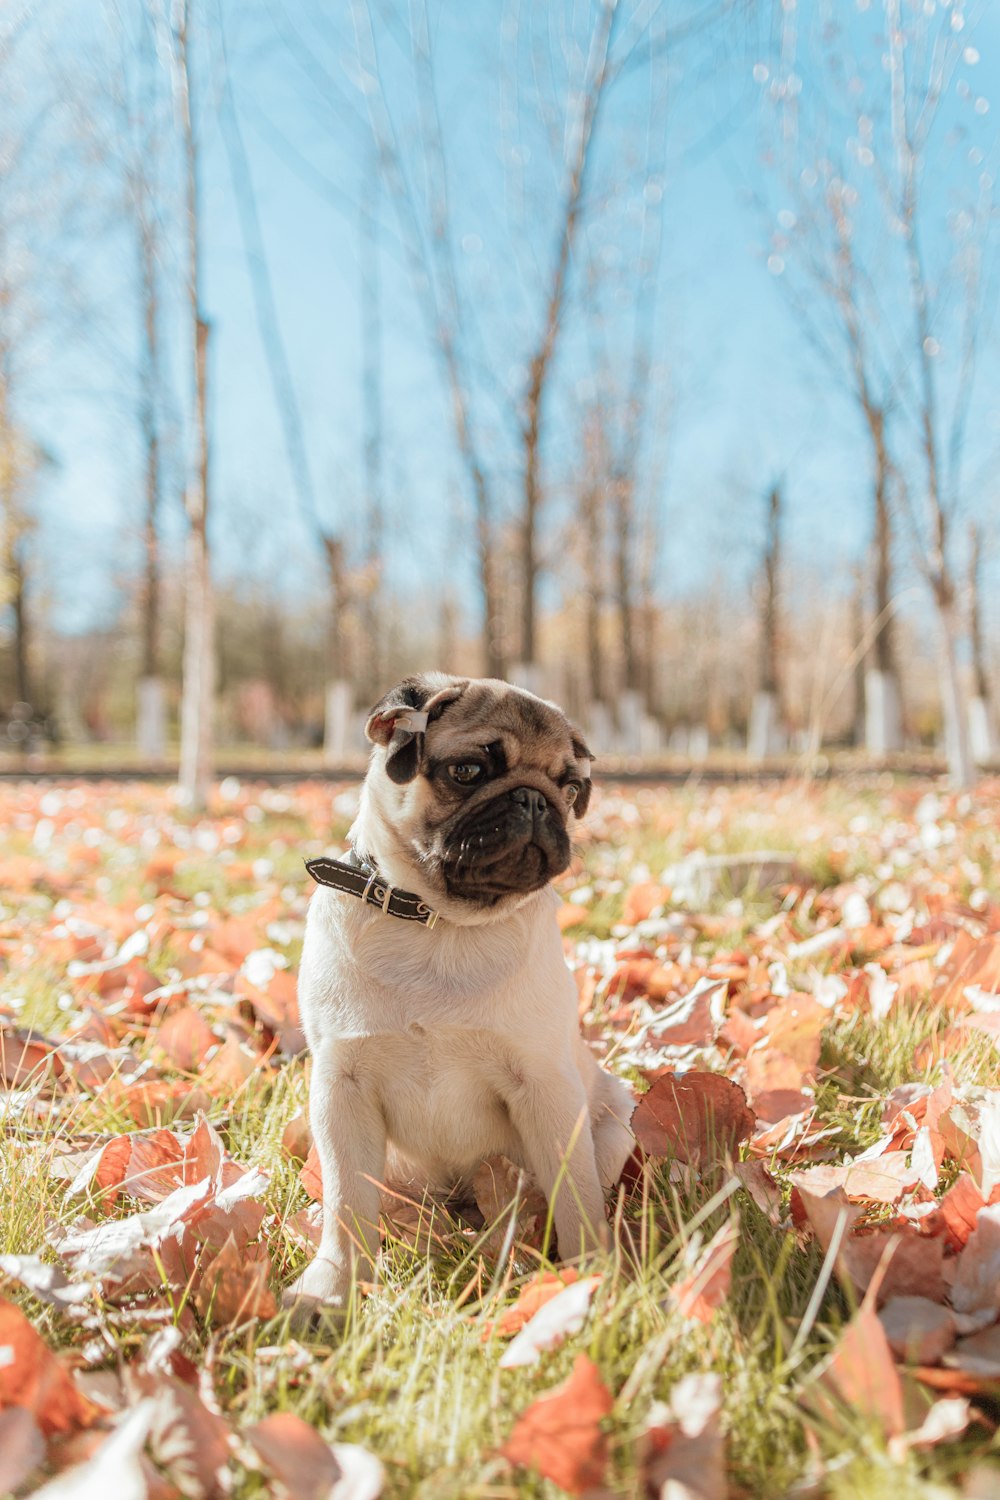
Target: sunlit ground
[(147, 965)]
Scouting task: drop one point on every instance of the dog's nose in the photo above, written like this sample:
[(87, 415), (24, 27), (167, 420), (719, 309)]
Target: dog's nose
[(531, 800)]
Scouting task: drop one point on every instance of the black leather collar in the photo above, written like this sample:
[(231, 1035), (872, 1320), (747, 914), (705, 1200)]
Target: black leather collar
[(356, 877)]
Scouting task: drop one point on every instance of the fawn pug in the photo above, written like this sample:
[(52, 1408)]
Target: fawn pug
[(438, 1008)]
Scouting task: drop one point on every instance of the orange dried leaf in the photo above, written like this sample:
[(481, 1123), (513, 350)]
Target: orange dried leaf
[(533, 1295), (185, 1037), (296, 1455), (692, 1115), (233, 1286), (34, 1378), (863, 1372), (311, 1176), (702, 1292), (560, 1435)]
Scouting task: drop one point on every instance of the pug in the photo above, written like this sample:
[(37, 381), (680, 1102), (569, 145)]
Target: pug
[(435, 998)]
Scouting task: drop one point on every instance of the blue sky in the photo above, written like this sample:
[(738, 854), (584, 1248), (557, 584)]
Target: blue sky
[(741, 399)]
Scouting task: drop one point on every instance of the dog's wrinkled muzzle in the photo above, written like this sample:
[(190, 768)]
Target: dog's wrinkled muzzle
[(513, 843)]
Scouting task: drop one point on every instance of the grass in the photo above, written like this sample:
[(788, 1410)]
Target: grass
[(413, 1374)]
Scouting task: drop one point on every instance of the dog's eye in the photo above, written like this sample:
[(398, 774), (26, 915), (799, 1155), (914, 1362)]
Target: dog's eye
[(466, 772), (572, 792)]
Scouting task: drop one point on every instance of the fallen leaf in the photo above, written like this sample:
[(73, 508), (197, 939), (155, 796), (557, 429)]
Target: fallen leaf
[(917, 1330), (190, 1442), (762, 1187), (48, 1282), (25, 1057), (944, 1421), (863, 1373), (563, 1315), (500, 1189), (115, 1469), (682, 1453), (296, 1138), (642, 900), (706, 1286), (970, 1129), (978, 1355), (233, 1286), (818, 1195), (34, 1378), (22, 1447), (535, 1293), (955, 1215), (902, 1262), (184, 1036), (977, 1276), (311, 1176), (690, 1115), (560, 1435), (295, 1454)]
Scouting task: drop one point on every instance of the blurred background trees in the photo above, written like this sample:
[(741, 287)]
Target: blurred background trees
[(338, 342)]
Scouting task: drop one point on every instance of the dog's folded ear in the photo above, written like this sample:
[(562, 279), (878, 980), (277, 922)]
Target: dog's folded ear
[(583, 761), (398, 721)]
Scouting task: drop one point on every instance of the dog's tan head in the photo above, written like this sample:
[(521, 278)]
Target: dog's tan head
[(469, 792)]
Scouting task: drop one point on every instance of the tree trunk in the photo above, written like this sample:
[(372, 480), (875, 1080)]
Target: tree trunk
[(371, 342), (624, 593), (593, 544), (769, 600), (982, 724), (961, 768), (883, 646), (198, 693), (529, 540), (23, 687), (883, 698), (149, 421), (151, 695), (765, 736), (338, 666), (858, 674), (541, 361), (492, 616), (980, 675), (198, 690)]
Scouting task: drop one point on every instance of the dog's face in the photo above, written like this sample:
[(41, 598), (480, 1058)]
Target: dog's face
[(471, 786)]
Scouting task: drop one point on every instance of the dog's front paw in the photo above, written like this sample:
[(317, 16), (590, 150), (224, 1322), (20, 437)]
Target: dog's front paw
[(323, 1285)]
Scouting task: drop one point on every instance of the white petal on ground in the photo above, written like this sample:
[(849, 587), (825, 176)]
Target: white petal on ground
[(562, 1315), (114, 1470)]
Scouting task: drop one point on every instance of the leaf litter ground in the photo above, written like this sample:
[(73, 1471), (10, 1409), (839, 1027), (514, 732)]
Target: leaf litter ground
[(802, 985)]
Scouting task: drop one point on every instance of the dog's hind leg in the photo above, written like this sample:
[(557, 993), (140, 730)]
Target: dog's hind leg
[(613, 1143), (552, 1119), (611, 1107)]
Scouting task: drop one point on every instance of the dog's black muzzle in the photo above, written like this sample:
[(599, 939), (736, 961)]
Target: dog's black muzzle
[(516, 842)]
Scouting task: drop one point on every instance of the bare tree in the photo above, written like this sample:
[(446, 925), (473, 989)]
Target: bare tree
[(580, 136), (374, 498), (764, 736), (982, 713), (339, 665), (132, 134), (919, 66), (817, 259), (433, 274), (592, 536), (19, 461), (198, 687), (866, 230), (32, 207)]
